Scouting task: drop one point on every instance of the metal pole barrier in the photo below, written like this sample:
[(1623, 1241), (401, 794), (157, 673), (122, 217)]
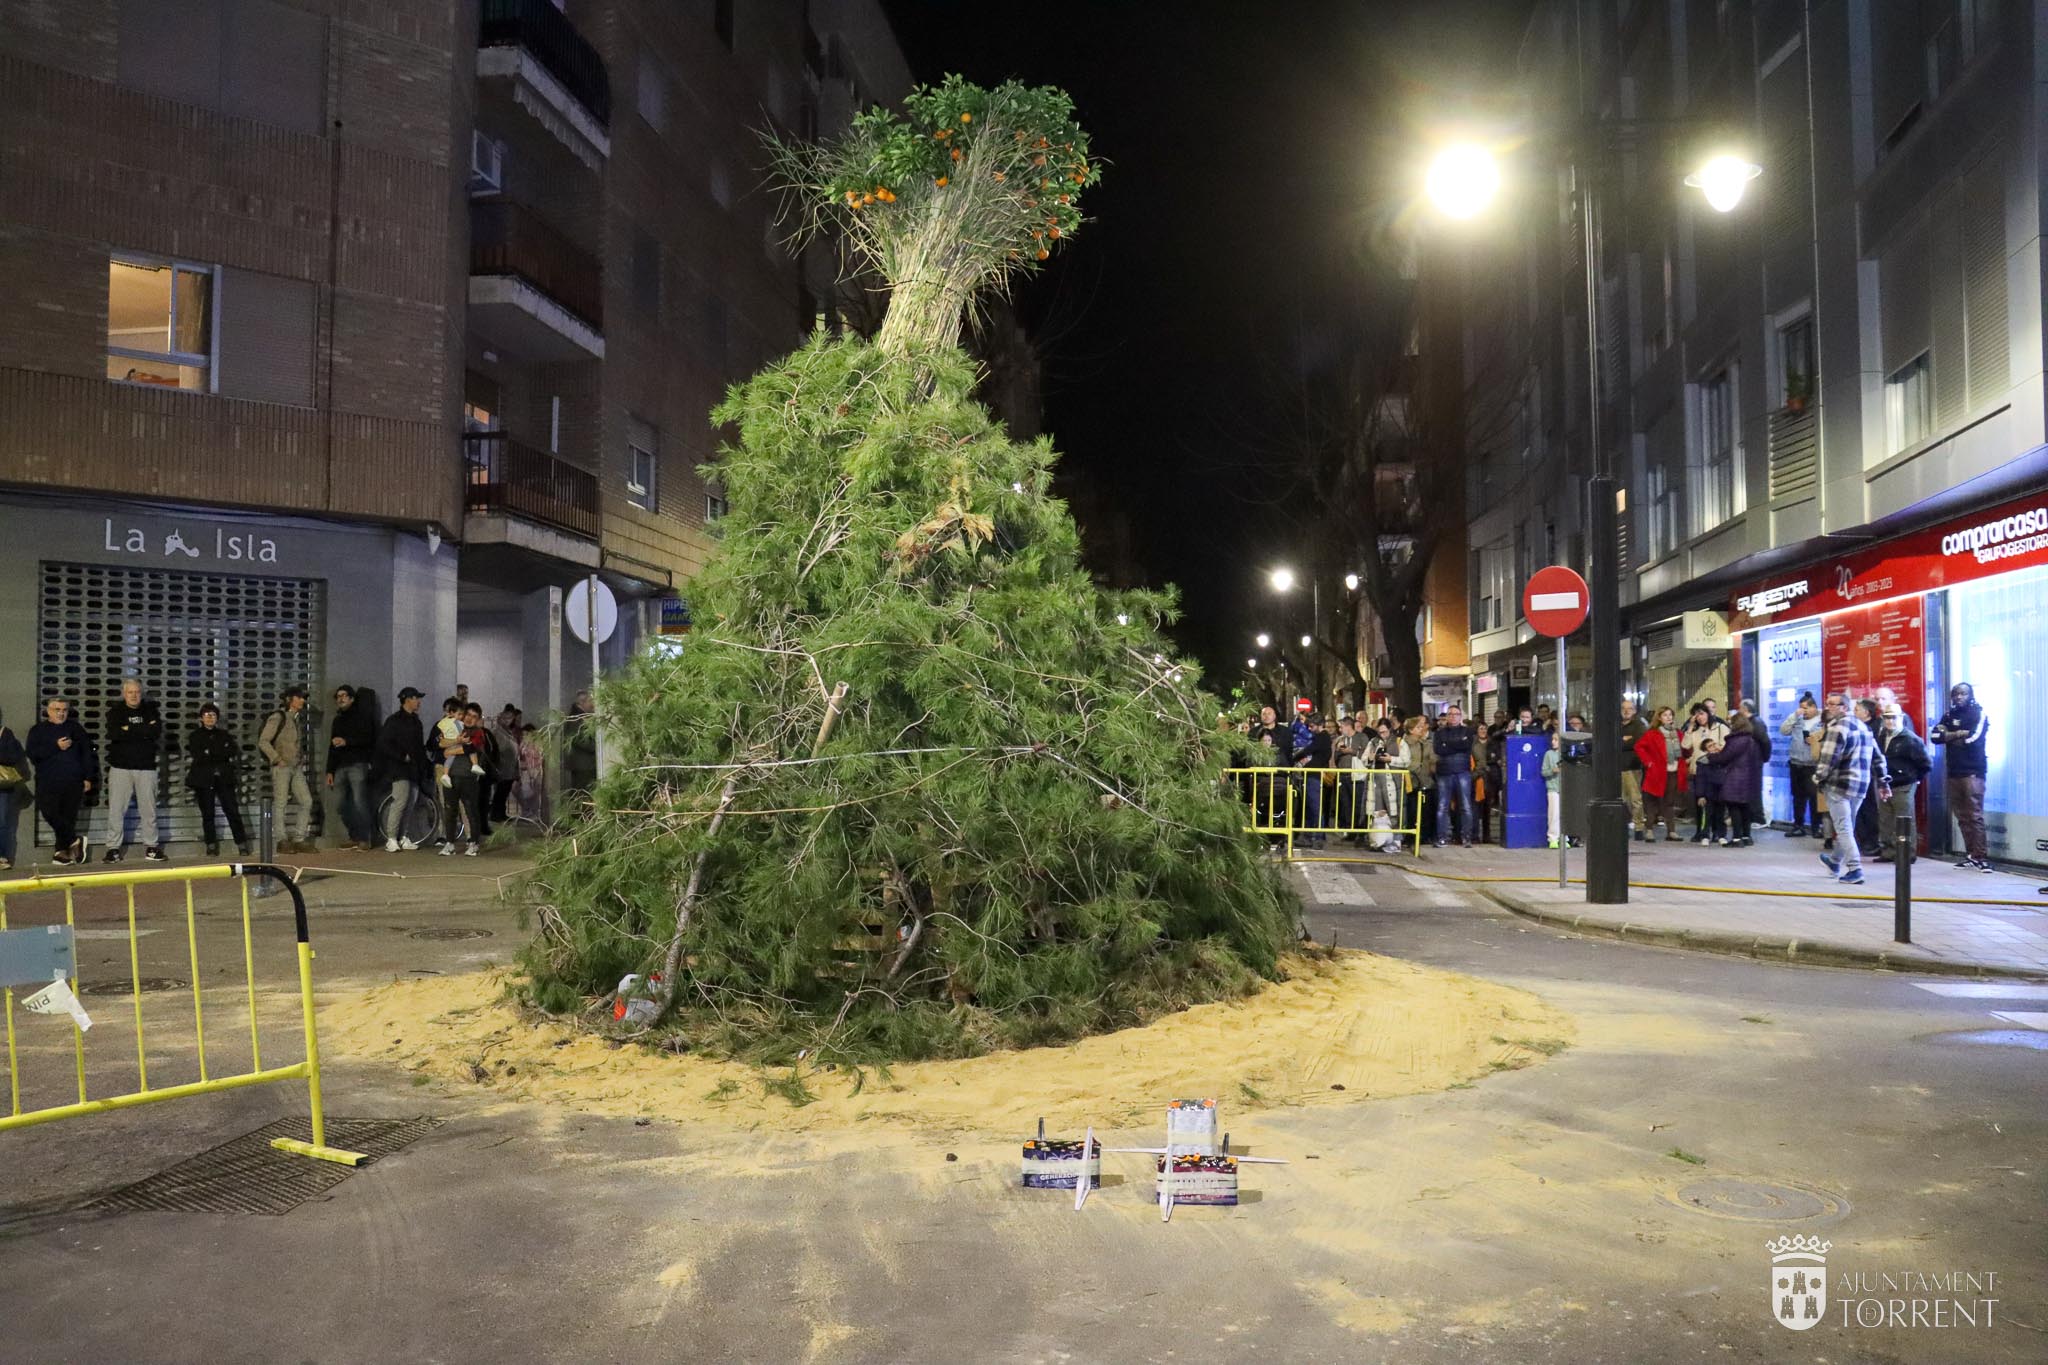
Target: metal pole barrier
[(1564, 876), (266, 847), (318, 1147), (1902, 882)]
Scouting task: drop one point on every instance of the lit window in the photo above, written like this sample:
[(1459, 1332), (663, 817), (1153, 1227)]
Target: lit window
[(160, 324), (1717, 492), (1908, 404)]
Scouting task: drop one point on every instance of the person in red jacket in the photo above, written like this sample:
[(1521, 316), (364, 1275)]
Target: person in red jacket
[(1663, 775)]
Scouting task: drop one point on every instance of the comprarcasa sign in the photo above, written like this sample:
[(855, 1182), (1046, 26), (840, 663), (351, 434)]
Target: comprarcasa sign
[(1994, 541)]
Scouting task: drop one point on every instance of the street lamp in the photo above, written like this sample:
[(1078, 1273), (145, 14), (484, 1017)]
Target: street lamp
[(1263, 640), (1305, 641), (1282, 580), (1251, 663), (1462, 181), (1351, 582)]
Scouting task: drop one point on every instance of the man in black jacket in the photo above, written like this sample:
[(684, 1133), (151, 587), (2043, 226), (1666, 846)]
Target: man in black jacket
[(135, 735), (1962, 729), (350, 747), (213, 763), (1275, 739), (401, 760), (1453, 744), (67, 765), (1905, 765)]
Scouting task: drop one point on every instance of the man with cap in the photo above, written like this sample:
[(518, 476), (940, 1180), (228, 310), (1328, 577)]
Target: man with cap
[(1906, 765), (401, 760), (283, 743)]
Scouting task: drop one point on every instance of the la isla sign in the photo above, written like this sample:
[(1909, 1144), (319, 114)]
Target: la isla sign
[(228, 547)]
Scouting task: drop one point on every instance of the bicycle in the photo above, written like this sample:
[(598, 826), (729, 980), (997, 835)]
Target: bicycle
[(421, 822)]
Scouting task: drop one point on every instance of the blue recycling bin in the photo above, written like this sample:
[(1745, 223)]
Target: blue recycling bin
[(1525, 814)]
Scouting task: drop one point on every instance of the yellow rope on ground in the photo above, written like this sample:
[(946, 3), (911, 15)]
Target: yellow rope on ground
[(1663, 886)]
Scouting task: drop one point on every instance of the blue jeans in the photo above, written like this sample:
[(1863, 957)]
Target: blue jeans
[(352, 793), (1449, 786)]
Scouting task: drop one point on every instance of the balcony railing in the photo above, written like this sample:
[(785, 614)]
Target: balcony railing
[(506, 239), (509, 478), (541, 29)]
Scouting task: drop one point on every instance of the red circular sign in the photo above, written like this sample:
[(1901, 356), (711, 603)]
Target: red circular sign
[(1555, 601), (1304, 705)]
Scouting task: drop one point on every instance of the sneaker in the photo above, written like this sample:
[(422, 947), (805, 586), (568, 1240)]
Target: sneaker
[(6, 864), (471, 851), (213, 850), (1441, 843), (1699, 838), (115, 855), (1984, 865), (1832, 863), (62, 857), (1854, 877), (391, 845), (1966, 863), (245, 850), (1671, 838), (155, 853), (79, 849), (447, 850), (407, 844)]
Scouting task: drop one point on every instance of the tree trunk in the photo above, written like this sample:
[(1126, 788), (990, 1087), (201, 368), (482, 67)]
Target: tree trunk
[(1404, 658)]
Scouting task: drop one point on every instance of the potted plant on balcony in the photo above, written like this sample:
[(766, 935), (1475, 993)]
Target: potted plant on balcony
[(917, 786), (1798, 392)]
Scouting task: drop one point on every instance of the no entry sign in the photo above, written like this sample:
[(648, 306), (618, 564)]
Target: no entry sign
[(1303, 705), (1555, 601)]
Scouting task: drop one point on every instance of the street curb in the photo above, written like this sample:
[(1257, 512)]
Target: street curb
[(1791, 952)]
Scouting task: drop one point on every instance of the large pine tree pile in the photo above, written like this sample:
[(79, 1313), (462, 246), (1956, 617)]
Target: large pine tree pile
[(916, 787)]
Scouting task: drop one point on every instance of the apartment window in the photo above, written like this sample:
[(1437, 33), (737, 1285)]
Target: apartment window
[(476, 417), (643, 459), (160, 324), (1908, 405), (1660, 514), (722, 21), (1795, 363), (1716, 487), (650, 93), (715, 507), (1494, 579)]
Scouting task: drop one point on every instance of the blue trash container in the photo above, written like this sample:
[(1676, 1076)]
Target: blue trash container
[(1525, 817)]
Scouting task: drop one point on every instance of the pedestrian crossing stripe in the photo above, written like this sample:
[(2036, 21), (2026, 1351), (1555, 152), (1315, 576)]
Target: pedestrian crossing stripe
[(1984, 990), (1334, 886), (2027, 1018)]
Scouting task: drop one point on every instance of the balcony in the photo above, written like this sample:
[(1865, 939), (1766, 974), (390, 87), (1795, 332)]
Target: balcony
[(532, 291), (526, 499), (1794, 434), (531, 50)]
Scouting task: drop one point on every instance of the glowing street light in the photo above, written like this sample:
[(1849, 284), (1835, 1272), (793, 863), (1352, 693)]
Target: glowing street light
[(1304, 642), (1723, 180), (1263, 640), (1251, 663), (1463, 179), (1351, 582), (1282, 580)]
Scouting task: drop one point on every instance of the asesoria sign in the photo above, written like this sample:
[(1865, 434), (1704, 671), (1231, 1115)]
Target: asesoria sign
[(1997, 540)]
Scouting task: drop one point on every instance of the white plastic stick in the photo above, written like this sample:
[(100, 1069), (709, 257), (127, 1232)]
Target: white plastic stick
[(1082, 1185)]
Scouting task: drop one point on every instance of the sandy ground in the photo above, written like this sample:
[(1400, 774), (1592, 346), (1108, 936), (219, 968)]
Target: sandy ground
[(1359, 1027)]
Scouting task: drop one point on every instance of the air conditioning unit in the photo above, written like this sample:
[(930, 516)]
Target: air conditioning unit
[(486, 164)]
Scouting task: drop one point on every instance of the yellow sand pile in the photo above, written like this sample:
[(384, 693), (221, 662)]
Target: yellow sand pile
[(1360, 1027)]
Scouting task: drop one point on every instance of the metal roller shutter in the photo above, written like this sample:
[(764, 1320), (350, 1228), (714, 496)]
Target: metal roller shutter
[(235, 640)]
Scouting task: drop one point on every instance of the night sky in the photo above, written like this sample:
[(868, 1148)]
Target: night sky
[(1260, 159)]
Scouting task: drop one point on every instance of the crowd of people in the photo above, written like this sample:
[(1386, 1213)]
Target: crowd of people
[(476, 774), (1700, 781)]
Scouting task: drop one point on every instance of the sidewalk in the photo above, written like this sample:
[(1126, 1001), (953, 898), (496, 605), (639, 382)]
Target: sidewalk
[(1773, 901)]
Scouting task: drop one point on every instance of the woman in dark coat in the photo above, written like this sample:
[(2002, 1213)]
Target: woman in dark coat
[(1737, 763), (215, 759)]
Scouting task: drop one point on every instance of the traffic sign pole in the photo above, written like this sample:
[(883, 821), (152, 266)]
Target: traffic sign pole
[(1563, 843), (1555, 603)]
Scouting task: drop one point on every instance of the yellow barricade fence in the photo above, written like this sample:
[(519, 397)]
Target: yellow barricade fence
[(306, 1068), (1295, 803)]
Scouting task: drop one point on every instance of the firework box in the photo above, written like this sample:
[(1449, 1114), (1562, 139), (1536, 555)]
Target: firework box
[(1057, 1164), (1199, 1179), (1191, 1128)]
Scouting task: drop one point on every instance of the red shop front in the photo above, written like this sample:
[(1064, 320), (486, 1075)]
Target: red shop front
[(1900, 620)]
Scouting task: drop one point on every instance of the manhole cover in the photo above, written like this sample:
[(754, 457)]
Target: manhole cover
[(1760, 1201), (449, 933), (248, 1175), (147, 984)]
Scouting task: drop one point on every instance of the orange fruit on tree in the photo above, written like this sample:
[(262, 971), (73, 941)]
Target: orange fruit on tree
[(940, 182), (1043, 253), (966, 117)]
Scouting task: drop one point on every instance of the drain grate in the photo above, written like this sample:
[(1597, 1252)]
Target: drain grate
[(1760, 1201), (449, 933), (147, 984), (248, 1175)]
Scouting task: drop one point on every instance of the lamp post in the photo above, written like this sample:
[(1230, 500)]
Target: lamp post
[(1462, 181)]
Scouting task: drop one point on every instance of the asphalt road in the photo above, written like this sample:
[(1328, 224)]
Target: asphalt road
[(1599, 1206)]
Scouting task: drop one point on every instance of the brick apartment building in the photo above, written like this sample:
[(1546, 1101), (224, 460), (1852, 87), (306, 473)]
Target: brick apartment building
[(343, 336)]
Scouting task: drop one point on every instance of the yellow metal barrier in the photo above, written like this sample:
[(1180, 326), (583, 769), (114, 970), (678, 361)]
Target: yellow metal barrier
[(307, 1068), (1292, 803)]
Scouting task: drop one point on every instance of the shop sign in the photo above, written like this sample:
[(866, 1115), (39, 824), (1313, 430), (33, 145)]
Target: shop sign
[(675, 616), (1995, 541), (1486, 683), (222, 545), (1706, 630)]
